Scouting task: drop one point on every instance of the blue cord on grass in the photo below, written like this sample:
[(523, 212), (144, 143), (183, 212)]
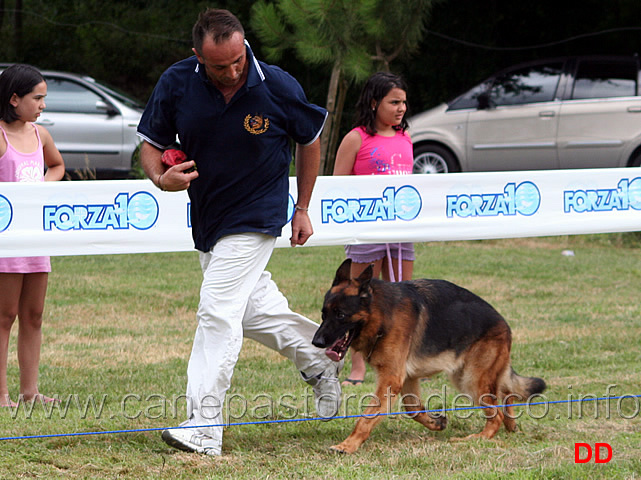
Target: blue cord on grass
[(291, 420)]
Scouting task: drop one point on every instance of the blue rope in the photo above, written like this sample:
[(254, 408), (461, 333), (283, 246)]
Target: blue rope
[(292, 420)]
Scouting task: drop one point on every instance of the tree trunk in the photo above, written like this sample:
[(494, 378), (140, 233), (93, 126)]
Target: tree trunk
[(330, 123), (336, 127)]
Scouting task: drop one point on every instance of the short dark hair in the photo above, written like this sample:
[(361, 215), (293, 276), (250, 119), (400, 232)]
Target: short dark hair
[(20, 79), (376, 88), (220, 24)]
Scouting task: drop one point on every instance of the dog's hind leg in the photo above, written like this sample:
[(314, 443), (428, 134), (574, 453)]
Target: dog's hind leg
[(493, 416), (509, 420), (485, 364), (517, 389), (411, 400)]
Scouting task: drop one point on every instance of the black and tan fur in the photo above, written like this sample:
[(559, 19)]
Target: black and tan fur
[(414, 329)]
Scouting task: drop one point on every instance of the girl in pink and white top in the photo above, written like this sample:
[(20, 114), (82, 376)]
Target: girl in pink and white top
[(378, 145), (25, 149)]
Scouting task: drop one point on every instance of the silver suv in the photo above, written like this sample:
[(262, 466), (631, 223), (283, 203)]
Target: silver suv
[(93, 126), (571, 112)]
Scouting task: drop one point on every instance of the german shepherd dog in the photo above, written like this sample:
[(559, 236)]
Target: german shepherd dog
[(414, 329)]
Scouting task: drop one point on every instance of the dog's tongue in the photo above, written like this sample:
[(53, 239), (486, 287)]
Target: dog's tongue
[(333, 355)]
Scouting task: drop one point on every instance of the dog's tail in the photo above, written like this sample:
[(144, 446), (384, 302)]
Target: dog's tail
[(524, 387)]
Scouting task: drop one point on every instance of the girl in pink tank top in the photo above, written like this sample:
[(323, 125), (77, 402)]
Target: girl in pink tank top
[(378, 145), (25, 149)]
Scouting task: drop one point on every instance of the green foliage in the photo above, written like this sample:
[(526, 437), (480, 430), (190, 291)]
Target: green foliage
[(353, 38), (272, 27), (122, 42), (360, 35), (130, 43), (137, 171)]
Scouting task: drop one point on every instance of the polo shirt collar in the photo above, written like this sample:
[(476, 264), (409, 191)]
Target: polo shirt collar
[(255, 75)]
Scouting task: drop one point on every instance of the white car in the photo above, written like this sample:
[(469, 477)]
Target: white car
[(571, 112), (93, 126)]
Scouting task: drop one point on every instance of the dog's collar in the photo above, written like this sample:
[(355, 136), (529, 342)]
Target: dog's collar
[(371, 350)]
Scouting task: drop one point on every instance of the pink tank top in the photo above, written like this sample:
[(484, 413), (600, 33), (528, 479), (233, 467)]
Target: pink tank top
[(381, 155), (16, 166)]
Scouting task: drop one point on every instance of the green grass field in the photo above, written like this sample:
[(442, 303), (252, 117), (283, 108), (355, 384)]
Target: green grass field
[(118, 332)]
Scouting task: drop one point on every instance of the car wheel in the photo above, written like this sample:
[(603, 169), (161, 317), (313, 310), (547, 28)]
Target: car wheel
[(636, 160), (434, 159)]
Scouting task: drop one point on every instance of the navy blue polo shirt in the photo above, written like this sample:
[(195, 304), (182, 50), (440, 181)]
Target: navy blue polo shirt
[(242, 149)]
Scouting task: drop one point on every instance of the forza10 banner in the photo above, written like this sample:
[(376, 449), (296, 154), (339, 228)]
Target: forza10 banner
[(133, 216)]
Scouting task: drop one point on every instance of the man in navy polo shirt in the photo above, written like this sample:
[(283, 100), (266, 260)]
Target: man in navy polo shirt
[(235, 118)]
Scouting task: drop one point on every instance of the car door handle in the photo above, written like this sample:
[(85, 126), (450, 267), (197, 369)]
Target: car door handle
[(634, 109), (547, 113), (45, 123)]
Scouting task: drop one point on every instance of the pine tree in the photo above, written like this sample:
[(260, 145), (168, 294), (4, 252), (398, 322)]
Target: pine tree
[(355, 37)]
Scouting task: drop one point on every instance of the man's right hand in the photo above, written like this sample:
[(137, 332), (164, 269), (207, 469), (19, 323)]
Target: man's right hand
[(178, 178)]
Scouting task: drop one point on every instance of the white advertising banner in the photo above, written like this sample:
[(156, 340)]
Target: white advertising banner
[(133, 216)]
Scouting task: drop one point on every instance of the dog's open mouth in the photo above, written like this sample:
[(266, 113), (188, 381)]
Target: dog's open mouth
[(338, 350)]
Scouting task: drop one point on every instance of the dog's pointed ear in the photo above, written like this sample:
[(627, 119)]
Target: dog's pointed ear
[(366, 276), (364, 283), (343, 273)]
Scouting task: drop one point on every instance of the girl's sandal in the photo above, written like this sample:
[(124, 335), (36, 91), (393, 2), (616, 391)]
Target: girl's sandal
[(8, 403), (348, 381)]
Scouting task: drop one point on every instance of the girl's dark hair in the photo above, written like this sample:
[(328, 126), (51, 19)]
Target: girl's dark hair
[(21, 80), (220, 24), (375, 89)]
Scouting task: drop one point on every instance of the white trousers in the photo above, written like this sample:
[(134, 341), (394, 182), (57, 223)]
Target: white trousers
[(238, 298)]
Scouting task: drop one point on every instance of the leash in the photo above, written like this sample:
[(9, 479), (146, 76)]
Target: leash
[(391, 266), (392, 279)]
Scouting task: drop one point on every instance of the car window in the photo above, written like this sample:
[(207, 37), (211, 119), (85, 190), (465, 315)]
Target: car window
[(120, 96), (469, 99), (605, 79), (536, 83), (71, 97)]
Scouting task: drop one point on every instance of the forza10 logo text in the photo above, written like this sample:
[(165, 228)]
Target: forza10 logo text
[(627, 195), (404, 203), (139, 211), (523, 199)]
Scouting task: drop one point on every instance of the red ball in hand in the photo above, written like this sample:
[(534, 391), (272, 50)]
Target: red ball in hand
[(173, 157)]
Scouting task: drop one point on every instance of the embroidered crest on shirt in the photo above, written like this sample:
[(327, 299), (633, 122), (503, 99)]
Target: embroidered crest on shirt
[(256, 124)]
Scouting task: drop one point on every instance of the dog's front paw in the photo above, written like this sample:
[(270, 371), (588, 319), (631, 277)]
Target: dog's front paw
[(433, 422), (343, 448), (440, 422), (337, 449)]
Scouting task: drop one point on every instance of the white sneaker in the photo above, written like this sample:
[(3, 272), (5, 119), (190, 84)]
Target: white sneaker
[(327, 390), (191, 440)]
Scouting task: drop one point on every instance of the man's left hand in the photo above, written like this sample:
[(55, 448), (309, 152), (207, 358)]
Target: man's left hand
[(301, 228)]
